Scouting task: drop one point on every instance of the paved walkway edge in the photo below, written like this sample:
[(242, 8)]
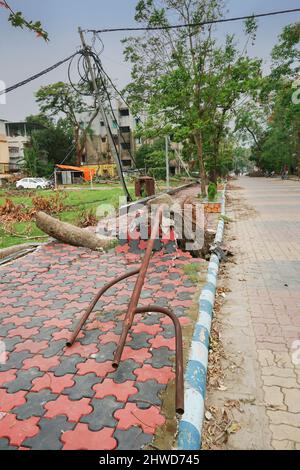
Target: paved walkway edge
[(190, 427)]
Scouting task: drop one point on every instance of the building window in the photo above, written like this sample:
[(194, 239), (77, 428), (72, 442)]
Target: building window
[(124, 112), (102, 123), (124, 129), (125, 145), (103, 139)]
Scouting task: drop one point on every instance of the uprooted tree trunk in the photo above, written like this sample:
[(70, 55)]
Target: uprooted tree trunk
[(69, 234)]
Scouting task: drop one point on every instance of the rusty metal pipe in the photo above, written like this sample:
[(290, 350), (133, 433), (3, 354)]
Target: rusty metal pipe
[(90, 308), (137, 288), (179, 352)]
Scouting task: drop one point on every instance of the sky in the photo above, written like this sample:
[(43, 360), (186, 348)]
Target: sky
[(23, 55)]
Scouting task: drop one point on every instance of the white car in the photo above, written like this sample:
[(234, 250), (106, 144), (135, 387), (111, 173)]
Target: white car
[(32, 183)]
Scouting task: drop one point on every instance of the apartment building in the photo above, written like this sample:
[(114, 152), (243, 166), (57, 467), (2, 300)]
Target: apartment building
[(122, 126), (4, 152)]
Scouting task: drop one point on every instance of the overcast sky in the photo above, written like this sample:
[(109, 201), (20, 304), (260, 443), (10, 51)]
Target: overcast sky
[(22, 54)]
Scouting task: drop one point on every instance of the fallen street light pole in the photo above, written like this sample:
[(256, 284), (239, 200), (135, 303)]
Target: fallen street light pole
[(133, 309)]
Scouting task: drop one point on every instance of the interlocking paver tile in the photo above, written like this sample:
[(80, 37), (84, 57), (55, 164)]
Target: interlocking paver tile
[(51, 432), (16, 431), (132, 439), (53, 383), (148, 394), (120, 391), (23, 380), (74, 410), (102, 414), (83, 387), (125, 371), (35, 404), (83, 439), (131, 415)]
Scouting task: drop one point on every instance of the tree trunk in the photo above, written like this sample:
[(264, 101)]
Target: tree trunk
[(199, 144), (78, 146), (68, 233)]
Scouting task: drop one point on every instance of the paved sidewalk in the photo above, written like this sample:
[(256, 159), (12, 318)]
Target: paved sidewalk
[(53, 397), (261, 316)]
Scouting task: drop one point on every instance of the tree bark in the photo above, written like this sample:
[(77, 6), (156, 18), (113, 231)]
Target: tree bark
[(202, 171), (68, 233)]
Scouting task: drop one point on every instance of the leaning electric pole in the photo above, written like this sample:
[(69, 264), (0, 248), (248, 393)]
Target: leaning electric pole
[(86, 51)]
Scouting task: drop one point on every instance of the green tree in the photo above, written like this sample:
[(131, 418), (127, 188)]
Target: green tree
[(60, 99), (17, 19), (185, 82)]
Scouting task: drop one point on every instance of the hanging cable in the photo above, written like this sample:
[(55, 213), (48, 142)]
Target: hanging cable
[(40, 74), (193, 25)]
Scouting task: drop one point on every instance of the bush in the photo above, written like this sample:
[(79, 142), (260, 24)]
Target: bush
[(212, 191)]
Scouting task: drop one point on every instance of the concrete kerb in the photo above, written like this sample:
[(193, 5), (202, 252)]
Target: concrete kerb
[(190, 427)]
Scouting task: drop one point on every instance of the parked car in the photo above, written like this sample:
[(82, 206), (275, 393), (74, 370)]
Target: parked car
[(33, 183)]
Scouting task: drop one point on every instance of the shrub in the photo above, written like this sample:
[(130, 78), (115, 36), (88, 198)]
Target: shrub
[(212, 191)]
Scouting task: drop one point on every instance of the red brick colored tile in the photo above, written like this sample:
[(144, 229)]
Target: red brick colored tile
[(23, 332), (53, 383), (74, 410), (58, 323), (91, 366), (17, 431), (121, 391), (63, 334), (161, 341), (81, 438), (109, 338), (43, 363), (16, 320), (149, 329), (7, 376), (32, 346), (131, 415), (83, 350), (147, 372), (8, 401), (138, 355)]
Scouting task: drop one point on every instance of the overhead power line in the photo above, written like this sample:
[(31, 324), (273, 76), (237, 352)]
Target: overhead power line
[(40, 74), (191, 25)]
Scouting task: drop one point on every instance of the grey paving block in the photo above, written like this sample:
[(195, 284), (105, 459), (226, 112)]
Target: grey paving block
[(34, 405), (124, 371), (184, 296), (45, 333), (132, 439), (168, 331), (49, 436), (151, 318), (23, 380), (106, 352), (90, 336), (161, 302), (161, 357), (83, 387), (28, 312), (147, 395), (102, 414), (11, 342), (15, 360), (5, 445), (54, 348), (67, 365), (139, 340), (174, 276)]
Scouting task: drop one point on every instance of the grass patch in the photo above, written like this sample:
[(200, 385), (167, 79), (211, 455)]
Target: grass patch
[(192, 271), (76, 202)]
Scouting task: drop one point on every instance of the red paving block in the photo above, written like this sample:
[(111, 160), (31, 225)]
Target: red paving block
[(100, 369), (82, 350), (8, 401), (84, 439), (17, 431), (58, 323), (63, 334), (23, 332), (108, 326), (182, 320), (53, 383), (7, 376), (32, 346), (147, 372), (161, 341), (131, 415), (109, 338), (121, 391), (73, 410), (138, 355), (16, 320), (43, 363), (149, 329)]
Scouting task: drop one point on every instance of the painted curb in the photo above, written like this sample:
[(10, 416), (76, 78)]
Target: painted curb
[(190, 427)]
